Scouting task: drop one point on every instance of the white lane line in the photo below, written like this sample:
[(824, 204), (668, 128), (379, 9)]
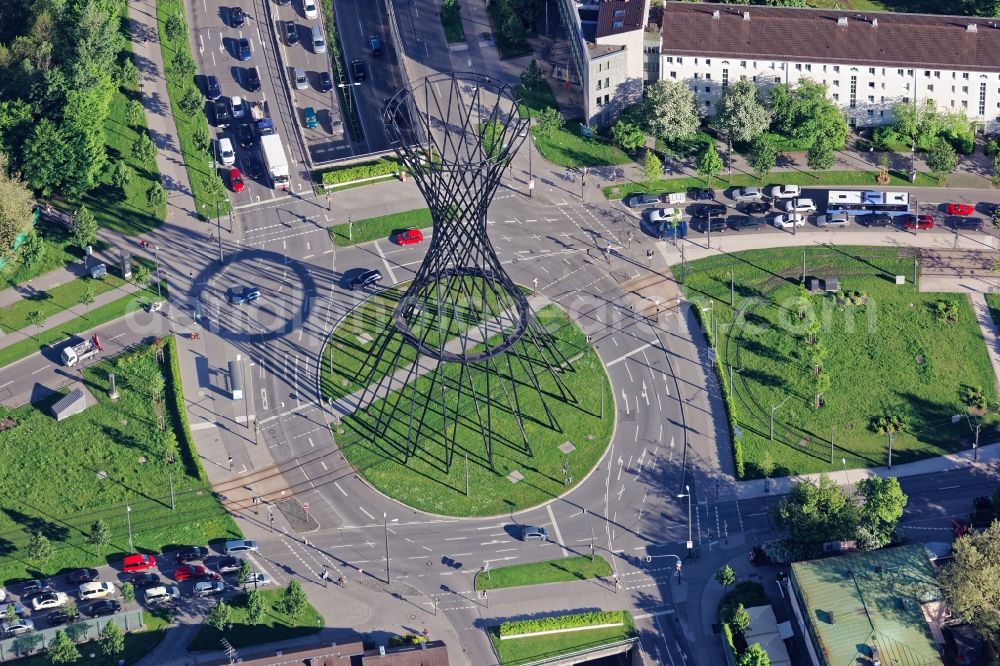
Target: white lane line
[(42, 369), (365, 512), (385, 261), (323, 463), (343, 492), (625, 356), (555, 528)]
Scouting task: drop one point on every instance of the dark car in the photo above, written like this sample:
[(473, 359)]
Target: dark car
[(229, 564), (641, 200), (376, 45), (57, 618), (745, 222), (241, 295), (33, 588), (701, 224), (237, 18), (244, 134), (965, 224), (325, 82), (243, 49), (529, 533), (358, 69), (253, 79), (82, 576), (220, 109), (701, 194), (756, 207), (213, 90), (143, 580), (708, 210), (190, 554), (291, 33), (365, 279), (102, 608), (874, 220), (253, 167)]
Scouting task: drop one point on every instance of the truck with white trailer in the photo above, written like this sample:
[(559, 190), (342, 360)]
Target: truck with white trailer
[(274, 160), (73, 354)]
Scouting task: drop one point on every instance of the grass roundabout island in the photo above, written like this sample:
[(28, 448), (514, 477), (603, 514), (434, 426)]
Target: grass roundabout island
[(841, 369), (422, 479)]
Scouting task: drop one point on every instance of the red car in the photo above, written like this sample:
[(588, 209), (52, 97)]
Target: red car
[(186, 571), (138, 563), (917, 222), (410, 237), (236, 180), (961, 209)]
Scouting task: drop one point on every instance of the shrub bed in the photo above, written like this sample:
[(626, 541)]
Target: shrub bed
[(561, 622), (349, 174)]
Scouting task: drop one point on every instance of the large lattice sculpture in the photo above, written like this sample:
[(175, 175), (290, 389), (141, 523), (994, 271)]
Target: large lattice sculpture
[(456, 133)]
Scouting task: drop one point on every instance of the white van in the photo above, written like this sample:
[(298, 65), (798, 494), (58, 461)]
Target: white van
[(226, 153), (319, 41)]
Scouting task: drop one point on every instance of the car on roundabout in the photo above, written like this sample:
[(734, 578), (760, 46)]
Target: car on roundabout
[(241, 295)]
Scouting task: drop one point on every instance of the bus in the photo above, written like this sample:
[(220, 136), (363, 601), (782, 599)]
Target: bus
[(867, 202)]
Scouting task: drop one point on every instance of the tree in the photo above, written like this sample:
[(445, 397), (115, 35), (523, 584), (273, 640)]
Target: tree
[(725, 576), (182, 64), (820, 155), (532, 77), (84, 227), (99, 534), (121, 176), (548, 120), (651, 167), (174, 27), (255, 606), (128, 73), (810, 116), (39, 547), (740, 619), (156, 196), (904, 120), (201, 137), (10, 614), (62, 649), (942, 158), (111, 640), (628, 135), (72, 612), (144, 150), (754, 656), (971, 583), (190, 101), (141, 274), (293, 599), (741, 114), (821, 384), (16, 201), (996, 170), (817, 512), (134, 112), (710, 164), (32, 250), (244, 573), (763, 155), (766, 466), (884, 501), (671, 111), (128, 592), (220, 616)]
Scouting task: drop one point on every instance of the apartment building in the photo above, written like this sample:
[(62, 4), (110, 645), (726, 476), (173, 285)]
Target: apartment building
[(869, 61), (606, 46)]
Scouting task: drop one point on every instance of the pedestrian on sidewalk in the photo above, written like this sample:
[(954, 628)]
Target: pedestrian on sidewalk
[(230, 463)]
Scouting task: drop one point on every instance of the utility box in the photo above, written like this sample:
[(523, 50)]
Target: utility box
[(235, 380), (126, 261)]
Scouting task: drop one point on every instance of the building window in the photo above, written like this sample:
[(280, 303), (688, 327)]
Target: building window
[(708, 88), (937, 74), (836, 83), (743, 63), (673, 75), (725, 78), (697, 75), (871, 99), (881, 113), (777, 79), (965, 89), (927, 73), (836, 68), (755, 79), (871, 70), (708, 76), (599, 101), (798, 66), (824, 69), (930, 88), (953, 104), (854, 91), (619, 12), (982, 98), (871, 112), (836, 97), (696, 61), (617, 25), (708, 62), (965, 75), (965, 104), (598, 84), (607, 98), (680, 60), (899, 72), (707, 103), (909, 72), (809, 68), (670, 60), (607, 82), (906, 100)]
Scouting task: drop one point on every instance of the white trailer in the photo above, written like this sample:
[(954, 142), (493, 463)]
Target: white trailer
[(275, 160)]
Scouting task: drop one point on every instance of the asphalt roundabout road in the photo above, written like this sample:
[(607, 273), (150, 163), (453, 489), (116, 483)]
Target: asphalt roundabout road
[(423, 437)]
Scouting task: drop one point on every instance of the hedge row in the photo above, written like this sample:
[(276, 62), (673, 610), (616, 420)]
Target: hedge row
[(561, 622), (175, 403), (379, 167)]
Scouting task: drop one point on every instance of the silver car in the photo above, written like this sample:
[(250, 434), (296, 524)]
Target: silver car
[(301, 80), (800, 206), (833, 220), (240, 546), (746, 194)]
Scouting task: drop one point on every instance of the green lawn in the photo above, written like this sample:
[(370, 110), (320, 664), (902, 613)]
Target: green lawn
[(993, 301), (535, 98), (37, 340), (451, 20), (567, 147), (379, 228), (422, 481), (58, 299), (196, 162), (888, 354), (51, 481), (59, 251), (276, 626), (515, 651), (806, 178), (137, 645), (550, 571)]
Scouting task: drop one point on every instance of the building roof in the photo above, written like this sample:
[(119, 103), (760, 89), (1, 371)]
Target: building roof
[(433, 653), (763, 629), (617, 16), (861, 600), (598, 50), (820, 35)]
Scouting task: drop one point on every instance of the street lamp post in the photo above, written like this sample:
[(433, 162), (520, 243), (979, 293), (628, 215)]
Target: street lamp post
[(128, 516), (847, 481), (687, 494), (156, 258), (385, 527), (732, 290), (774, 408)]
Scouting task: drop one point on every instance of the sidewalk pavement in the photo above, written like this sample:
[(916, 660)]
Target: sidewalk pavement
[(43, 282)]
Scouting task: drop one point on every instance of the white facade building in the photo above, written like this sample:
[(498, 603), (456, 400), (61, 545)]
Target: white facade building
[(869, 62)]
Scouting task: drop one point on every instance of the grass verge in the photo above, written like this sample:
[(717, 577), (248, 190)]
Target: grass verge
[(112, 455), (451, 20), (882, 345), (14, 317), (96, 317), (60, 251), (422, 480), (993, 302), (551, 571), (516, 651), (137, 645), (567, 147), (339, 64), (197, 162), (804, 178), (379, 228), (275, 626)]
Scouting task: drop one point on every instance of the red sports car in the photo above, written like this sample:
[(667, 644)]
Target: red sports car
[(138, 563), (236, 180), (961, 209), (917, 222), (409, 237)]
